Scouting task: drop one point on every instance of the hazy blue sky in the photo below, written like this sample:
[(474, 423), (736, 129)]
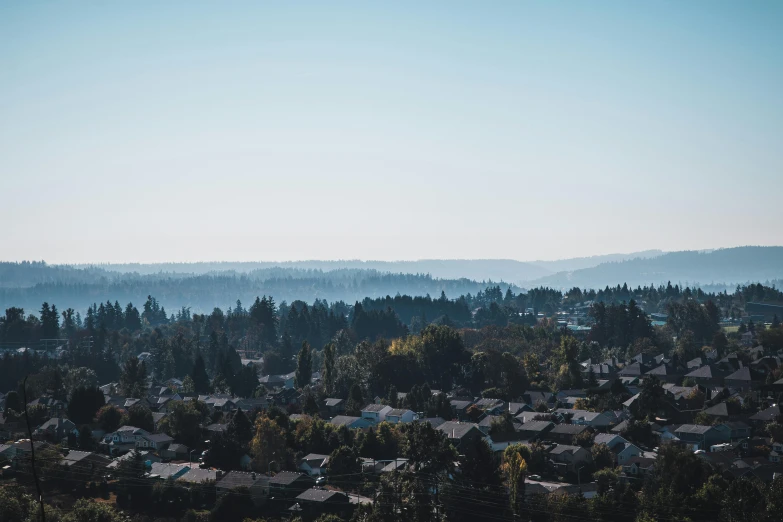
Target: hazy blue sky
[(139, 131)]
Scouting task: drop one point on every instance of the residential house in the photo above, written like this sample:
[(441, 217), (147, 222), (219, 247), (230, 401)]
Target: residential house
[(85, 463), (566, 433), (154, 441), (7, 452), (666, 373), (536, 429), (350, 422), (333, 406), (256, 483), (597, 420), (460, 407), (569, 458), (707, 376), (460, 433), (313, 464), (535, 398), (176, 452), (288, 484), (54, 407), (398, 416), (200, 476), (739, 430), (56, 429), (744, 379), (636, 468), (318, 501), (491, 406), (766, 415), (636, 369), (702, 437), (375, 413), (166, 471), (625, 451), (124, 439)]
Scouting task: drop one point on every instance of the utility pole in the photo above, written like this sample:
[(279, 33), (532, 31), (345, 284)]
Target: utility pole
[(32, 450)]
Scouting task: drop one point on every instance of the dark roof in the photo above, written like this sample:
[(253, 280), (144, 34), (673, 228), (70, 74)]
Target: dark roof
[(286, 478), (197, 475), (743, 374), (158, 437), (632, 370), (343, 420), (767, 415), (643, 462), (719, 410), (235, 479), (568, 429), (693, 428), (456, 430), (333, 402), (374, 407), (322, 495), (536, 425), (434, 421), (705, 372)]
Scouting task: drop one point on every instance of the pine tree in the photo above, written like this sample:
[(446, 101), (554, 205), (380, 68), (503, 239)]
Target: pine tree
[(304, 366), (328, 368), (199, 376)]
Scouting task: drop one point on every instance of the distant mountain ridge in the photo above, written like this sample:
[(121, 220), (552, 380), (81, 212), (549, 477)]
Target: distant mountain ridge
[(728, 266)]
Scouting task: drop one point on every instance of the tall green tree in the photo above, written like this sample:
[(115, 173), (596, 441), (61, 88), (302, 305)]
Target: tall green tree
[(199, 376), (133, 379), (328, 371), (304, 366)]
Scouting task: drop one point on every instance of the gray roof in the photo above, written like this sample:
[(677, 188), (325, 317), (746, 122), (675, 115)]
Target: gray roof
[(322, 495), (343, 420), (536, 425), (333, 402), (564, 448), (569, 429), (374, 407), (197, 475), (397, 412), (285, 478), (235, 479), (434, 421), (693, 428), (456, 430), (164, 470)]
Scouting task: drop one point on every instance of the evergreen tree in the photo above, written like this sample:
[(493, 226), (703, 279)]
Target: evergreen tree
[(328, 375), (199, 376), (133, 379), (304, 366)]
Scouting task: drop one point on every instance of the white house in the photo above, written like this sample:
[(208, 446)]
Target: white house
[(588, 418), (375, 413), (313, 464), (397, 416)]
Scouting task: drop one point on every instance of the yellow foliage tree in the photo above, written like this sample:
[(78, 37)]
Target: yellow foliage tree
[(514, 469), (268, 444)]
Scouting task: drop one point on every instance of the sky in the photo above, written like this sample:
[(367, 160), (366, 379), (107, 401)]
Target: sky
[(187, 131)]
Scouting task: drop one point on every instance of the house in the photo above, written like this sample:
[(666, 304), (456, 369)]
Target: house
[(199, 476), (569, 458), (176, 452), (491, 406), (702, 437), (155, 441), (739, 430), (397, 416), (256, 483), (535, 429), (460, 407), (166, 471), (216, 427), (124, 439), (54, 407), (597, 420), (610, 439), (279, 381), (251, 404), (56, 429), (350, 422), (534, 398), (460, 432), (666, 373), (157, 417), (288, 484), (625, 451), (744, 379), (765, 416), (636, 369), (566, 433), (334, 406), (313, 464), (375, 413), (707, 376), (636, 468), (317, 501), (146, 456)]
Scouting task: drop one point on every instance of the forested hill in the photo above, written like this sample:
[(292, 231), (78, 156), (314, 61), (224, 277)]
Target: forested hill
[(728, 266), (475, 269), (27, 285)]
